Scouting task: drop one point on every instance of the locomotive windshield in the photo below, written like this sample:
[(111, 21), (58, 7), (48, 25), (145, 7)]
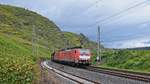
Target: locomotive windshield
[(84, 51)]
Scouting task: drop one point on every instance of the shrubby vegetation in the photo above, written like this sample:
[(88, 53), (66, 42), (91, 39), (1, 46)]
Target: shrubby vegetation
[(15, 63), (136, 60), (18, 61)]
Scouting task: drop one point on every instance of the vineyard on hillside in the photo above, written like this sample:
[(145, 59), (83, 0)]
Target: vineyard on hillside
[(25, 38)]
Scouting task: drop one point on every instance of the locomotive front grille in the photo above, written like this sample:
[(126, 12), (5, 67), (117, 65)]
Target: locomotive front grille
[(84, 57)]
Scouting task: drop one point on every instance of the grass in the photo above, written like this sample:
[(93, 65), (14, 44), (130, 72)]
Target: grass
[(18, 63), (135, 60)]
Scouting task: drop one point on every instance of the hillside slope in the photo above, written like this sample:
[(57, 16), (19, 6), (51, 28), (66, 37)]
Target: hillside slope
[(134, 60), (25, 37)]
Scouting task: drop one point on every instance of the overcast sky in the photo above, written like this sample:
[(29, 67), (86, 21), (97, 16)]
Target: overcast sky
[(129, 25)]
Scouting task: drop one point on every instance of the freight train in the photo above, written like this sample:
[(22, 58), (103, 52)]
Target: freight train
[(74, 56)]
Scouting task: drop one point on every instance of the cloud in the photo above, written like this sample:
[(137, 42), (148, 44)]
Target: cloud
[(139, 42), (78, 16)]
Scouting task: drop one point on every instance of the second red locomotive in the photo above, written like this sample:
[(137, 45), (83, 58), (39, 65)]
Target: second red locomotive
[(75, 56)]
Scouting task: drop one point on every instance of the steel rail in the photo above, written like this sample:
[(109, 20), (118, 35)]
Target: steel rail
[(80, 77), (120, 73), (77, 81)]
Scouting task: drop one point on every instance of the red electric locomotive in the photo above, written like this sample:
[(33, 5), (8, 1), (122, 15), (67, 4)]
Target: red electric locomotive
[(75, 56)]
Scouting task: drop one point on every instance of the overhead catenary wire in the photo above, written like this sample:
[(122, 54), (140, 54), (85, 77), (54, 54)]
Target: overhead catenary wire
[(114, 15), (109, 17), (82, 25), (92, 5), (121, 12), (129, 35), (87, 8)]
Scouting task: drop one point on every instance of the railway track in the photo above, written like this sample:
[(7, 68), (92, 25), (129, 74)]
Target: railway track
[(72, 77), (145, 77)]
